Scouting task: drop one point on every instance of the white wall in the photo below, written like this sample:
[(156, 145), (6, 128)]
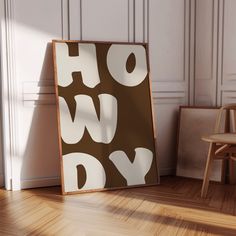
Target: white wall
[(227, 68), (206, 49), (215, 58), (167, 32), (36, 23), (2, 16), (179, 77)]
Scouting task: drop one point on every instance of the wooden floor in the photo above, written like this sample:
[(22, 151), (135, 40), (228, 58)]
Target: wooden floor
[(173, 208)]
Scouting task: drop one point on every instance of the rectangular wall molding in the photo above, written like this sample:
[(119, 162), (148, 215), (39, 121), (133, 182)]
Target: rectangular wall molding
[(227, 52), (35, 93), (65, 19), (228, 97), (206, 54), (139, 23), (75, 19), (168, 98)]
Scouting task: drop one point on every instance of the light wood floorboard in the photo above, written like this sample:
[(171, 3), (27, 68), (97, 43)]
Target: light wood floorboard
[(172, 208)]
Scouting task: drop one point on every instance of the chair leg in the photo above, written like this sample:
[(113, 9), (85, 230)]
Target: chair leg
[(232, 175), (206, 178), (223, 171)]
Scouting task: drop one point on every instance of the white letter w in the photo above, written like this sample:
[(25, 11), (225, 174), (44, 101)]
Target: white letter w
[(101, 130)]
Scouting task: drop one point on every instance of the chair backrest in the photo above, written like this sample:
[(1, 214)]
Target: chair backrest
[(229, 114)]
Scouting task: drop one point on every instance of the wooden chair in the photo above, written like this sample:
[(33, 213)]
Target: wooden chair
[(222, 143)]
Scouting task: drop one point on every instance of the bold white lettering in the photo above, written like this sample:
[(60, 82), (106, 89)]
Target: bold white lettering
[(116, 61), (95, 173), (101, 130), (86, 63), (134, 172)]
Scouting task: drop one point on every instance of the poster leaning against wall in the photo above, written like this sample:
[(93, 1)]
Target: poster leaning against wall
[(105, 118)]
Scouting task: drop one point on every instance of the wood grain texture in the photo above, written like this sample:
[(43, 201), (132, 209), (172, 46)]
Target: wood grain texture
[(222, 145), (173, 208)]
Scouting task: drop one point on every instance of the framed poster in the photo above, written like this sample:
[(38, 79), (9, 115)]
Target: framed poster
[(195, 122), (105, 121)]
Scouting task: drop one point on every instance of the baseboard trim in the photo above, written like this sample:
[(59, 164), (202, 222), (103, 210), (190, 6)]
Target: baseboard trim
[(40, 182), (1, 180), (55, 181), (167, 171)]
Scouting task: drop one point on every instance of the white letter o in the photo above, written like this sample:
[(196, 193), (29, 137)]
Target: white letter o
[(116, 61)]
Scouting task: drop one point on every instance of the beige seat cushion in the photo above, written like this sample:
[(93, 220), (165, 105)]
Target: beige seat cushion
[(227, 138)]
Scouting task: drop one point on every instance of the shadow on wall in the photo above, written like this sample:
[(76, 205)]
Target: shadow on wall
[(41, 163)]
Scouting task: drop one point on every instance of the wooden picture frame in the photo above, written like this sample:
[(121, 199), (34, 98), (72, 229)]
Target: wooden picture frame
[(195, 122), (100, 156)]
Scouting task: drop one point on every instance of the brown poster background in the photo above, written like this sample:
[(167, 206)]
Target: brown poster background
[(134, 125)]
